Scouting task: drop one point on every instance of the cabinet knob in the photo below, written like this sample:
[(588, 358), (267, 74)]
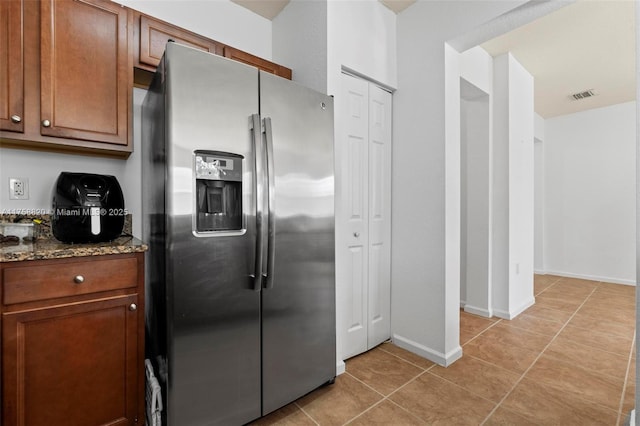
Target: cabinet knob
[(46, 123), (133, 307), (356, 234), (16, 118), (78, 279)]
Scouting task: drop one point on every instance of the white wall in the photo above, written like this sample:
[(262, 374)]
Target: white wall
[(589, 160), (300, 42), (475, 259), (476, 84), (476, 67), (538, 196), (220, 20), (521, 189), (425, 217), (361, 38), (538, 207), (513, 175)]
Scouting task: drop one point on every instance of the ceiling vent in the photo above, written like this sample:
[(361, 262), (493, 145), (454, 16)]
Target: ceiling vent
[(583, 95)]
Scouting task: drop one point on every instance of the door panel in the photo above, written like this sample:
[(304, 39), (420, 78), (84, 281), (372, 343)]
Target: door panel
[(379, 328), (364, 215), (353, 216), (357, 301), (298, 313), (214, 358)]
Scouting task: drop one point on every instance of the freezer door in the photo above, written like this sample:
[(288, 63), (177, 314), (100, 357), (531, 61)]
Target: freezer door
[(213, 309), (298, 303)]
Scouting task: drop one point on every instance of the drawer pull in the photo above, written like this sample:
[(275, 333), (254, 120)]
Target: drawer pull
[(133, 307), (78, 279)]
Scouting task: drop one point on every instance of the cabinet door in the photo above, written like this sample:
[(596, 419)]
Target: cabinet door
[(11, 66), (155, 34), (71, 364), (263, 64), (86, 70)]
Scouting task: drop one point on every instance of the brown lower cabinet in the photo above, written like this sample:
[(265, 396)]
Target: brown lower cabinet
[(73, 341)]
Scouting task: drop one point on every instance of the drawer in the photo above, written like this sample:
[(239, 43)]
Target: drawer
[(41, 282)]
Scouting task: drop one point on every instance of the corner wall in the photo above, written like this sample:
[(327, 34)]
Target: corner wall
[(476, 82), (513, 174), (426, 191)]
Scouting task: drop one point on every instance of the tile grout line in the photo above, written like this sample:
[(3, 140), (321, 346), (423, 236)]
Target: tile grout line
[(537, 358), (481, 332), (306, 414), (386, 397), (626, 379)]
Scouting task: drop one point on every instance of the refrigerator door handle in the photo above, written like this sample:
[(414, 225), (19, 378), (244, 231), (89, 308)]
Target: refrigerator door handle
[(258, 183), (271, 218)]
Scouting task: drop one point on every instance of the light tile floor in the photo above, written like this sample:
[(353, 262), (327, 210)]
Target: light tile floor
[(567, 360)]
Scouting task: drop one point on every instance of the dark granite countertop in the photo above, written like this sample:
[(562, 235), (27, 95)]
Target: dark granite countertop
[(45, 246), (50, 248)]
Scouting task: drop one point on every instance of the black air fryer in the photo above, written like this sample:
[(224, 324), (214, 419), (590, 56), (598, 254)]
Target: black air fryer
[(87, 208)]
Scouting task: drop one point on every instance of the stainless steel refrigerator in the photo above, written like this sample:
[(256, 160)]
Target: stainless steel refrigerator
[(238, 200)]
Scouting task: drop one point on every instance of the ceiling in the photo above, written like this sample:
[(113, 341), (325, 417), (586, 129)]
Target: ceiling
[(588, 45), (270, 8)]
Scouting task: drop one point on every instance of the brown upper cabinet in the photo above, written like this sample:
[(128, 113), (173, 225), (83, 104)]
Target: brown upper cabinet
[(247, 58), (85, 74), (154, 35), (67, 71), (78, 75)]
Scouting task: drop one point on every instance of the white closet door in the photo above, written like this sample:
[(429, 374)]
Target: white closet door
[(363, 209), (379, 327), (352, 220)]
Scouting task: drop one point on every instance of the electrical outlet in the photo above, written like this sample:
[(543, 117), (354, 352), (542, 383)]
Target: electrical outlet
[(18, 188)]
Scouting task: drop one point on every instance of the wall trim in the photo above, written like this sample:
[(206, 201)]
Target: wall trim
[(439, 358), (511, 314), (478, 311), (592, 277), (341, 367)]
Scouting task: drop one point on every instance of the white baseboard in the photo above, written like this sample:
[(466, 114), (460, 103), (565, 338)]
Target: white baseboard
[(540, 272), (478, 311), (438, 357), (512, 313), (341, 367), (592, 277), (463, 303)]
